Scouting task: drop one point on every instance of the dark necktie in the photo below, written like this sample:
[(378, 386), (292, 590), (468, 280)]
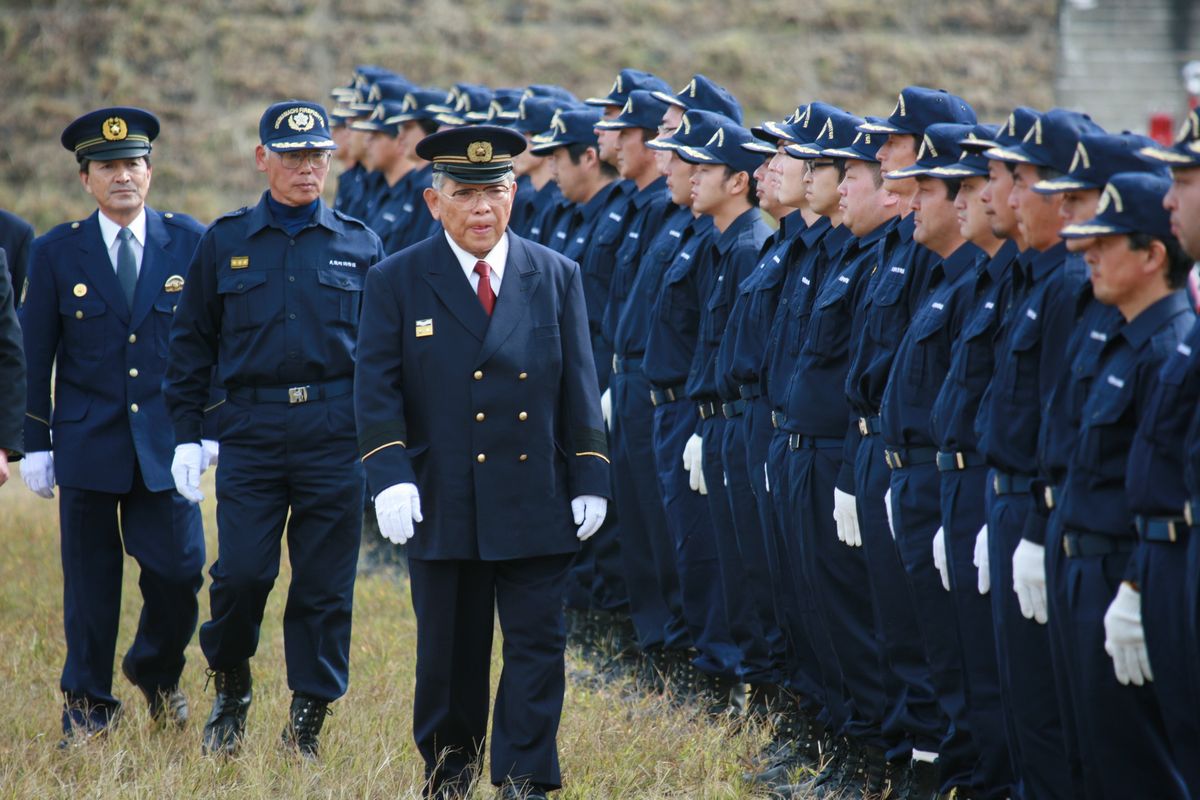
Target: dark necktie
[(126, 265), (487, 298)]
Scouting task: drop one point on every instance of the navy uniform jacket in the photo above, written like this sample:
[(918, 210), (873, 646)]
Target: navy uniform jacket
[(1094, 498), (633, 324), (497, 421), (952, 420), (547, 206), (574, 229), (16, 237), (350, 191), (731, 254), (108, 362), (675, 320), (598, 263), (400, 216), (922, 358), (522, 210), (266, 308), (12, 369), (739, 358), (648, 209)]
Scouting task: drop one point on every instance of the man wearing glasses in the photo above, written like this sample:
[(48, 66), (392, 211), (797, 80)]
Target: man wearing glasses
[(480, 429), (272, 303)]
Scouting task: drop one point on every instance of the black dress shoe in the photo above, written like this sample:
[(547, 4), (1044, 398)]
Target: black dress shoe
[(227, 723), (95, 726), (303, 731), (521, 791), (167, 706)]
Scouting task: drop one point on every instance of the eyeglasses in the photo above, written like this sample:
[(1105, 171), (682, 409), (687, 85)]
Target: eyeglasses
[(467, 198), (315, 158), (820, 164)]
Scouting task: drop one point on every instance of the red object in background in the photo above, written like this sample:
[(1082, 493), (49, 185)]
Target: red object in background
[(1162, 129)]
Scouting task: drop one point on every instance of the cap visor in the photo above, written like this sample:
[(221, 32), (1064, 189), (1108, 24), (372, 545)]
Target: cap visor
[(344, 113), (804, 151), (1091, 228), (776, 131), (548, 147), (601, 101), (957, 171), (846, 152), (695, 155), (1162, 155), (668, 98), (977, 145), (368, 125), (116, 153), (878, 127), (1012, 155), (916, 170), (614, 124), (1062, 184), (759, 147), (663, 144), (479, 176), (285, 145)]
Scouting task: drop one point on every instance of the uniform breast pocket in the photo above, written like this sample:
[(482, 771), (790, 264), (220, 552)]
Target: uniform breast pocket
[(164, 315), (978, 354), (246, 299), (928, 329), (1107, 432), (83, 321), (887, 319), (545, 346), (342, 293), (829, 330), (1173, 402), (1024, 352), (716, 316)]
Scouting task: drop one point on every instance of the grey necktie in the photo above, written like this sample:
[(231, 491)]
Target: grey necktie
[(126, 265)]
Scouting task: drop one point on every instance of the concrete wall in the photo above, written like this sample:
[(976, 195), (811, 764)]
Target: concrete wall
[(1120, 60)]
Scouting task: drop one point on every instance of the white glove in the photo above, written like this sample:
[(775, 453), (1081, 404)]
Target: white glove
[(693, 462), (37, 470), (396, 509), (606, 407), (1125, 639), (1029, 580), (589, 512), (887, 506), (939, 557), (186, 467), (981, 561), (845, 517), (211, 451)]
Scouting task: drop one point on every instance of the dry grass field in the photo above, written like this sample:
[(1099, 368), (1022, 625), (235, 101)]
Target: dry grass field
[(614, 743)]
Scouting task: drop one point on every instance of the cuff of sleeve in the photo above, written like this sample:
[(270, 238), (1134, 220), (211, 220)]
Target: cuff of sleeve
[(191, 430), (1035, 529)]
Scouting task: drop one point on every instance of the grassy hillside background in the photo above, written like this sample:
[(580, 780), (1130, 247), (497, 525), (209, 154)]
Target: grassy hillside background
[(209, 67)]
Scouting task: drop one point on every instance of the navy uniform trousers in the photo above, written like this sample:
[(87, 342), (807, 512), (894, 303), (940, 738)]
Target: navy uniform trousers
[(274, 457), (163, 533), (646, 548), (693, 537)]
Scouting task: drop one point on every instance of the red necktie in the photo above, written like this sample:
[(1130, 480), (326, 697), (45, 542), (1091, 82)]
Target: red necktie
[(487, 298)]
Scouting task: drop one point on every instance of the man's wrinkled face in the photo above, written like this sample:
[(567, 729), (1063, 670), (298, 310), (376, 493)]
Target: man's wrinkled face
[(119, 186), (475, 216)]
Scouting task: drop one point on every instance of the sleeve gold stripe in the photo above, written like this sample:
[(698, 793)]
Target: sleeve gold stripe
[(45, 422), (597, 455), (215, 405), (377, 449)]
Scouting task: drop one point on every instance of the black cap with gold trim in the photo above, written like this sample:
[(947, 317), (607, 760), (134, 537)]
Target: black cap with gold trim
[(1185, 153), (295, 125), (108, 134), (477, 154)]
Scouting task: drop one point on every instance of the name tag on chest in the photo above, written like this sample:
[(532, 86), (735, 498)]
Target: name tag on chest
[(424, 328)]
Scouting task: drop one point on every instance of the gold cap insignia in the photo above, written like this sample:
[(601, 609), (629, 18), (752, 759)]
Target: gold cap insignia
[(927, 149), (1190, 128), (718, 139), (1110, 197), (1081, 159), (80, 289), (173, 284), (901, 109), (826, 131), (479, 152), (114, 129), (690, 89), (302, 120)]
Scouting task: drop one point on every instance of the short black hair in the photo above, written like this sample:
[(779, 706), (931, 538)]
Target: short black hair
[(952, 186), (428, 126), (1179, 263), (575, 152), (751, 189), (1047, 173)]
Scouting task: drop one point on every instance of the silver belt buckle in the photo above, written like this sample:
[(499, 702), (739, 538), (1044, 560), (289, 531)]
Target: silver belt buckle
[(1188, 516), (297, 394), (1048, 496)]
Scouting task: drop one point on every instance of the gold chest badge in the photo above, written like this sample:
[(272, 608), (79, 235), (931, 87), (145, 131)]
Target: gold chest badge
[(239, 262), (80, 289), (424, 328), (173, 284)]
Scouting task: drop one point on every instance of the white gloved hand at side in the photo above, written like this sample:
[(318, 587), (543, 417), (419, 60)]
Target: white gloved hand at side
[(397, 508), (37, 471), (981, 561), (845, 517), (186, 467), (1125, 638), (606, 407), (693, 462), (939, 557), (212, 450), (887, 506), (1029, 580), (589, 512)]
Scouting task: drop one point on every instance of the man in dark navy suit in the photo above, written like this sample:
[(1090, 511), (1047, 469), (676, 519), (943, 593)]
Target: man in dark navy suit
[(101, 297), (479, 425), (12, 377), (16, 236)]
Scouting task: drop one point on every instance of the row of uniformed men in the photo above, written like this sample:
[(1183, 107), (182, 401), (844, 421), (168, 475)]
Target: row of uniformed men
[(963, 360)]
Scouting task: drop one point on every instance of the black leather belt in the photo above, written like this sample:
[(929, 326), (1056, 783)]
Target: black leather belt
[(734, 408), (750, 391), (1083, 545), (1011, 483), (959, 459), (910, 457), (798, 441), (869, 426), (708, 409), (293, 395), (621, 365), (1161, 529), (660, 397)]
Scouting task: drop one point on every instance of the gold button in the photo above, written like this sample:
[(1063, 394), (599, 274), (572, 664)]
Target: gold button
[(523, 376), (133, 372), (134, 408), (479, 417), (132, 338), (523, 457), (478, 375), (522, 416), (78, 315), (481, 458)]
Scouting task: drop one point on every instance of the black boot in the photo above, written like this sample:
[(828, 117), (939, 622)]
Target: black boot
[(922, 781), (167, 706), (877, 776), (227, 723), (849, 775), (303, 731)]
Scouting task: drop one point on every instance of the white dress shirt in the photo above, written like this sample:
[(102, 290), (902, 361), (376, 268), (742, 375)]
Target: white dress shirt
[(496, 259), (109, 230)]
